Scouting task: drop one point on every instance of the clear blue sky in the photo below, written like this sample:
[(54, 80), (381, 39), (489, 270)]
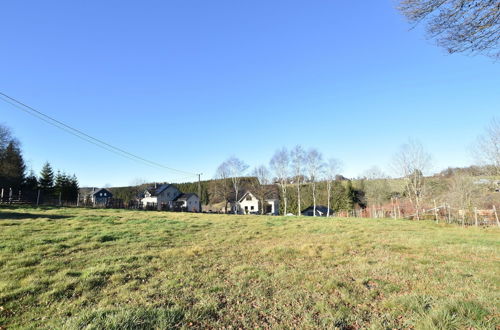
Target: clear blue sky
[(190, 83)]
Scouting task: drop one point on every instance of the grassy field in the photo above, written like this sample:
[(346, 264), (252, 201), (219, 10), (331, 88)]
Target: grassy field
[(116, 269)]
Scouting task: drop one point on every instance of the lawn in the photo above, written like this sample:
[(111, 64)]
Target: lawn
[(83, 268)]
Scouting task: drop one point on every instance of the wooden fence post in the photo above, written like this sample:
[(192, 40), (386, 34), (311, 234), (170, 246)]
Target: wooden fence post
[(60, 203), (496, 215), (449, 212), (38, 198), (78, 200), (475, 216), (436, 212)]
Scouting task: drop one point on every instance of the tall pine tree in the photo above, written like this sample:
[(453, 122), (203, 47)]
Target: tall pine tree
[(31, 182), (46, 181), (12, 167), (66, 186), (73, 188)]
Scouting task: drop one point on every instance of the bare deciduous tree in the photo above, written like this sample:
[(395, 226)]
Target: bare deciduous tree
[(470, 26), (298, 156), (279, 164), (261, 185), (411, 162), (463, 193), (236, 169), (5, 137), (376, 187), (374, 173), (315, 167), (488, 147), (222, 189), (331, 170)]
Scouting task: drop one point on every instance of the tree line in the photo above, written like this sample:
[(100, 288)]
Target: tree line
[(14, 174), (304, 178)]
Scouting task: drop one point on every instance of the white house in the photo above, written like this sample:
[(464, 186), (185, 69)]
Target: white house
[(249, 204), (168, 197), (161, 195), (187, 202)]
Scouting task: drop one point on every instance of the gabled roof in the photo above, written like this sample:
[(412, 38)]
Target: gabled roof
[(245, 194), (101, 190), (320, 209), (158, 190), (271, 194), (89, 191), (185, 197)]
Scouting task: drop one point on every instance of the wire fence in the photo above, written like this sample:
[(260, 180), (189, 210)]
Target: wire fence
[(443, 213)]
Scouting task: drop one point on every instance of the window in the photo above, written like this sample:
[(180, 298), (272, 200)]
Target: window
[(249, 198), (100, 194), (251, 208)]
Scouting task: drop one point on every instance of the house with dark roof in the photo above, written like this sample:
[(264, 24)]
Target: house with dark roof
[(168, 197), (187, 202), (96, 196), (160, 196), (321, 211)]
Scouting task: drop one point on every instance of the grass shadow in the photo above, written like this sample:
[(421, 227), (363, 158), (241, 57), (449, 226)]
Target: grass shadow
[(23, 216)]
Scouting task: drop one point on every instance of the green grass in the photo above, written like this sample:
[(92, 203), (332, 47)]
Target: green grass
[(116, 269)]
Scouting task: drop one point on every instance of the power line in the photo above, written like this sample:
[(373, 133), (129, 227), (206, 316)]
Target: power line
[(84, 136)]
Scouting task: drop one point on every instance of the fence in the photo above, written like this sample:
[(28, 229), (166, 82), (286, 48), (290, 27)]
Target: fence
[(42, 198), (444, 213)]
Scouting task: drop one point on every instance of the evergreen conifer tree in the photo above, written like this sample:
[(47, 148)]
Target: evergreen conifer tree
[(46, 181), (31, 182), (73, 188), (12, 167)]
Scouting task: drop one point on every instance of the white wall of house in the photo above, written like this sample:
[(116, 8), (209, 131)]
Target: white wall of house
[(150, 199), (249, 204), (192, 204), (274, 203)]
